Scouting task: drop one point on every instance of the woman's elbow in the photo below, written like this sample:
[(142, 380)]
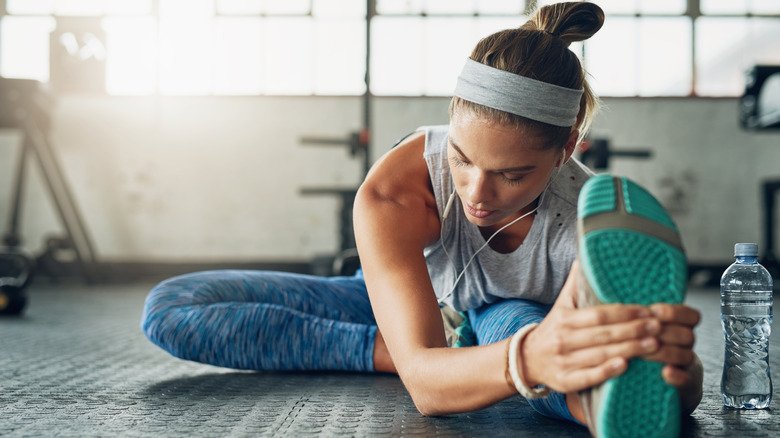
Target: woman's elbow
[(431, 405), (427, 409)]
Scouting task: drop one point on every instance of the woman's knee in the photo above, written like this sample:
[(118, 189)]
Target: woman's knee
[(164, 300), (500, 320)]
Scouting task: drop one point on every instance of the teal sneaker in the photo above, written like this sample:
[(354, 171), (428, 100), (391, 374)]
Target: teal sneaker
[(630, 252)]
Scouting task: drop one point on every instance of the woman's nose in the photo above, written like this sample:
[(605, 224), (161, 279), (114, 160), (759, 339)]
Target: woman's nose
[(479, 189)]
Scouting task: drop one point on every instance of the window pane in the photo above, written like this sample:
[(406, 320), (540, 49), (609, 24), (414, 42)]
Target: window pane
[(32, 7), (490, 25), (726, 47), (289, 65), (740, 6), (765, 7), (24, 47), (79, 7), (662, 6), (724, 6), (399, 6), (448, 42), (180, 9), (340, 57), (339, 8), (397, 56), (500, 6), (611, 57), (239, 7), (185, 56), (665, 56), (287, 6), (448, 6), (124, 7), (131, 52), (238, 50)]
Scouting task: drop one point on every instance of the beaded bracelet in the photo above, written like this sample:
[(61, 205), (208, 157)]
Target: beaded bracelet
[(514, 343)]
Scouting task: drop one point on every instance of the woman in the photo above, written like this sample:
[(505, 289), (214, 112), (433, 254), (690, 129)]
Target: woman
[(467, 236)]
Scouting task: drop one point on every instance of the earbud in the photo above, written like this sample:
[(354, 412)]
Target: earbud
[(448, 207)]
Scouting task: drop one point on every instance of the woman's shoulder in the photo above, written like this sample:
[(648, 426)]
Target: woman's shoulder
[(435, 139), (402, 171), (567, 185)]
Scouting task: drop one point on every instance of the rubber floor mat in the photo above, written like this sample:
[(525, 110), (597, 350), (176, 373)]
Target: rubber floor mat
[(78, 365)]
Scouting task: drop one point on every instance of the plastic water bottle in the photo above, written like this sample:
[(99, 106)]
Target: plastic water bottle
[(746, 317)]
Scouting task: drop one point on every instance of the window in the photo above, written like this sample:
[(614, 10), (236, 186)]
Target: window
[(202, 47), (24, 47), (303, 47)]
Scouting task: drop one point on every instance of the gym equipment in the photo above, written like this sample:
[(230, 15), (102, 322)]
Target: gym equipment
[(24, 105), (759, 106), (358, 145), (15, 270), (345, 261), (597, 152), (769, 190), (759, 109)]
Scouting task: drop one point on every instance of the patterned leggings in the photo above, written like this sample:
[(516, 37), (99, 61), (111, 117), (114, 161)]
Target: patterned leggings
[(259, 320)]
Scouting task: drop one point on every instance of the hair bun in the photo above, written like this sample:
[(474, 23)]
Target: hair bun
[(569, 21)]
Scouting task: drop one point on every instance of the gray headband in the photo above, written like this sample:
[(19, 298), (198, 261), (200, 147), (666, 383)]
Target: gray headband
[(520, 95)]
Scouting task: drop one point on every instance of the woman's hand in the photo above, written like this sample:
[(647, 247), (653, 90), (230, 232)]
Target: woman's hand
[(676, 344), (574, 349)]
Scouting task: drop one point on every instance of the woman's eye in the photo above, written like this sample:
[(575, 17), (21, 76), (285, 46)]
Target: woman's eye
[(512, 179), (457, 161)]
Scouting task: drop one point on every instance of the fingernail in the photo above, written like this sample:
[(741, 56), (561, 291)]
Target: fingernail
[(617, 364), (648, 343), (643, 313), (652, 326)]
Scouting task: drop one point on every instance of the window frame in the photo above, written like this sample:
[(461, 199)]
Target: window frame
[(692, 11)]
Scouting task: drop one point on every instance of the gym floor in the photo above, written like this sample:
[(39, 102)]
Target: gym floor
[(76, 364)]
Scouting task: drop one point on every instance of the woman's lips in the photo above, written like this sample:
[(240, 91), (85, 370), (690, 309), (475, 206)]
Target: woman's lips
[(477, 213)]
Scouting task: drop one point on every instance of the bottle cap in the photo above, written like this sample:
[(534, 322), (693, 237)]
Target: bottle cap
[(745, 250)]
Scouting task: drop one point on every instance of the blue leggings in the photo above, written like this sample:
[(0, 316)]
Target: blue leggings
[(259, 320)]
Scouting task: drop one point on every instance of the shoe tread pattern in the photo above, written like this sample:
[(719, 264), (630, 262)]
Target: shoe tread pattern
[(600, 198)]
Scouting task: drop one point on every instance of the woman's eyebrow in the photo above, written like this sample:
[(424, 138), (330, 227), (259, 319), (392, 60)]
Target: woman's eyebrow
[(457, 149), (508, 169)]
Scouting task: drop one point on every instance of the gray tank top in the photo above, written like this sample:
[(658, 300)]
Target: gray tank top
[(535, 271)]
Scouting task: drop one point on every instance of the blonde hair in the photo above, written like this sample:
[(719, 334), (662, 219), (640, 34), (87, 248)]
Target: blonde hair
[(539, 49)]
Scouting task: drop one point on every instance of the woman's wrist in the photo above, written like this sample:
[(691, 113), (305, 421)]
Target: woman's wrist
[(526, 356), (516, 365)]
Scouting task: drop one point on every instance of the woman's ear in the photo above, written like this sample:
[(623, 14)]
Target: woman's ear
[(571, 144)]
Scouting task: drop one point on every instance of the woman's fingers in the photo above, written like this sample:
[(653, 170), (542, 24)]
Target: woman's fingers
[(677, 335), (675, 376), (606, 314), (588, 377), (610, 334), (671, 355), (676, 313), (595, 356)]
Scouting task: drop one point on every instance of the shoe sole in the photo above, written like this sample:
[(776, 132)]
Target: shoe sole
[(631, 253)]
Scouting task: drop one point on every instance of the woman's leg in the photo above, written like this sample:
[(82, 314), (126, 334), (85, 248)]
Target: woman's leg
[(260, 320), (500, 320)]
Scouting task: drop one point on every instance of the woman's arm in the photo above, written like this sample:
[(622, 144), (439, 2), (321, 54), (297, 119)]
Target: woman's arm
[(395, 219)]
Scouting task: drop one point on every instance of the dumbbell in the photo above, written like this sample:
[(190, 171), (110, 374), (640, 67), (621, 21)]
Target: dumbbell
[(15, 276)]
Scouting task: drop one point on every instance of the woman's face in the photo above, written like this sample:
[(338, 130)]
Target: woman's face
[(498, 170)]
